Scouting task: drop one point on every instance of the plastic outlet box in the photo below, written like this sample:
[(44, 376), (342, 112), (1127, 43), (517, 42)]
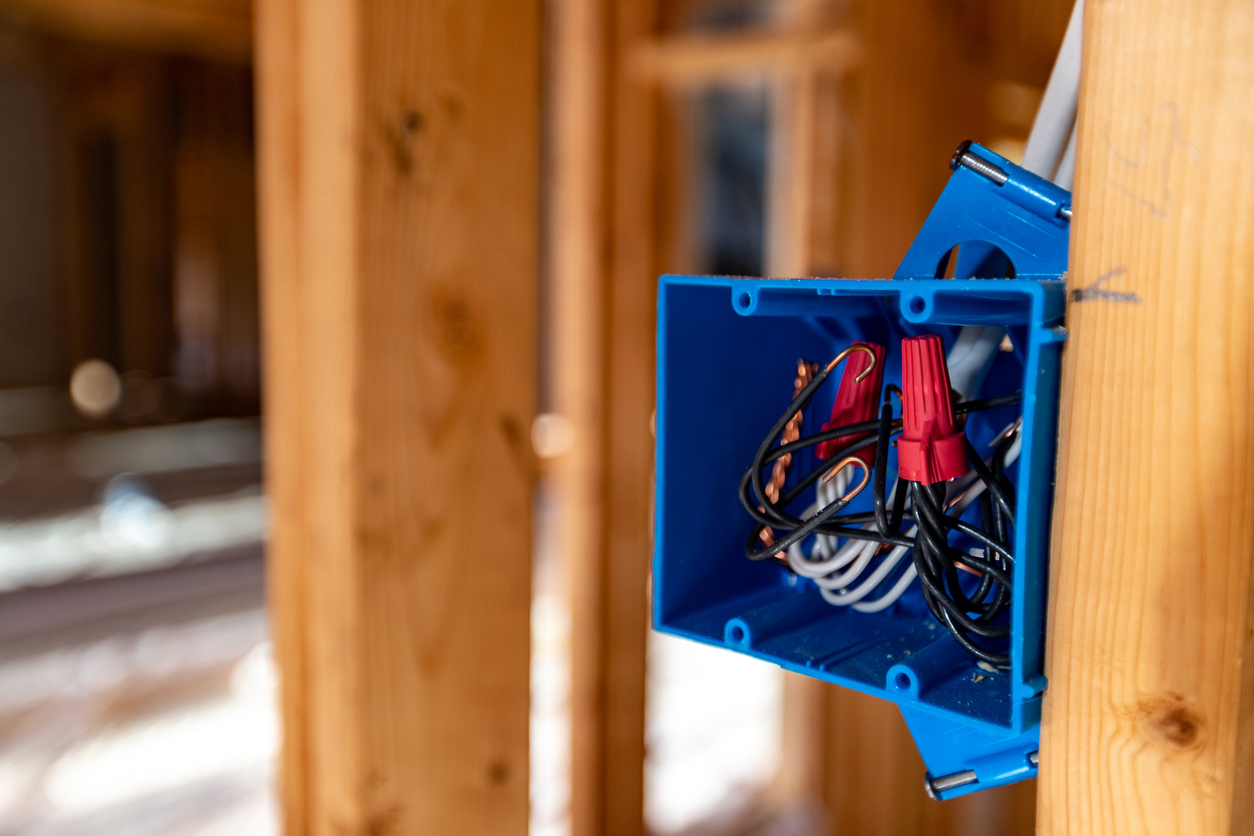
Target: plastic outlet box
[(727, 354)]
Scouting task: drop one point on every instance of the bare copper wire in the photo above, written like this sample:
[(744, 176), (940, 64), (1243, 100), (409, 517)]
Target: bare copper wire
[(846, 462), (866, 349), (792, 432)]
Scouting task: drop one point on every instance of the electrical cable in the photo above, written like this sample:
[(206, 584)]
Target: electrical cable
[(848, 574), (1050, 153), (1057, 111), (964, 492), (1065, 176)]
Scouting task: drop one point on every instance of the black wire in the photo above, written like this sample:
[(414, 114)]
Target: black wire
[(881, 469), (991, 483), (988, 403), (798, 403), (967, 617), (796, 535), (937, 566), (939, 578)]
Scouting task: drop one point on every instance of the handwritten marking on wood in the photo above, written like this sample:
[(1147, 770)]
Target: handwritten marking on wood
[(1148, 722), (1145, 175), (1095, 291)]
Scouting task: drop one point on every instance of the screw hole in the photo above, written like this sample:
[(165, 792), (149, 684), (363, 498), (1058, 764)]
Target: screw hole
[(902, 682), (737, 633), (917, 304), (744, 300)]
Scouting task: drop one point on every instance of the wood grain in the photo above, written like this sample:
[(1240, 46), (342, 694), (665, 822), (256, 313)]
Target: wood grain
[(1148, 722), (220, 29), (398, 179)]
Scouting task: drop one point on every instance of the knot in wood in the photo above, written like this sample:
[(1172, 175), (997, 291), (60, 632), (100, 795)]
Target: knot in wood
[(1170, 718)]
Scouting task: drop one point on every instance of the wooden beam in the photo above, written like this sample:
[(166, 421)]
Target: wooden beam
[(576, 247), (703, 59), (220, 29), (1149, 716), (399, 170), (627, 544)]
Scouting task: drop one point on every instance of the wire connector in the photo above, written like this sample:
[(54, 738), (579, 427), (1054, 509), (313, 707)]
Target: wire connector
[(930, 449), (856, 401)]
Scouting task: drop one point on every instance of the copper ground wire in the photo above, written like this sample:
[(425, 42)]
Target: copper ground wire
[(792, 432)]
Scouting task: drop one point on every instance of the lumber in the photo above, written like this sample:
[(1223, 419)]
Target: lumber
[(702, 59), (399, 169), (577, 244), (631, 295), (1148, 717), (220, 29)]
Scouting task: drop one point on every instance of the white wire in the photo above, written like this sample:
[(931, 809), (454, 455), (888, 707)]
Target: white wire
[(842, 596), (824, 557), (899, 588), (835, 588), (812, 568), (970, 357)]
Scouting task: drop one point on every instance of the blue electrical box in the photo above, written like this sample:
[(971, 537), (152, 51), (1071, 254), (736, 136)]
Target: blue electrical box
[(727, 352)]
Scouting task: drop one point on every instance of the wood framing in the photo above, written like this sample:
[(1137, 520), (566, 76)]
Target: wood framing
[(576, 258), (702, 59), (219, 29), (399, 172), (1149, 716), (604, 273)]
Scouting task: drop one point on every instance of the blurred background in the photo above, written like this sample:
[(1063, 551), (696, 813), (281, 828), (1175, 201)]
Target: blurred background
[(137, 685)]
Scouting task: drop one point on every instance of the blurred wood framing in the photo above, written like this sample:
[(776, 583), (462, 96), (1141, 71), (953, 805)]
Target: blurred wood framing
[(703, 59), (603, 273), (1148, 725), (215, 236), (220, 29), (399, 173)]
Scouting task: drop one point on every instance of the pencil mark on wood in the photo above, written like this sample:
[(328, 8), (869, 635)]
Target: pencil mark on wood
[(1095, 291), (1145, 176)]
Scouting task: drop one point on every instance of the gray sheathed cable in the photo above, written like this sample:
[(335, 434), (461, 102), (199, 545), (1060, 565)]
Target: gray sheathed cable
[(1065, 176), (1050, 151), (1052, 127)]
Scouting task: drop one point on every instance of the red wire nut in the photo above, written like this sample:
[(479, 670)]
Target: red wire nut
[(856, 402), (929, 450)]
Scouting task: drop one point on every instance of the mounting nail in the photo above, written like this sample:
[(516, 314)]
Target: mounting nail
[(963, 157), (936, 786)]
